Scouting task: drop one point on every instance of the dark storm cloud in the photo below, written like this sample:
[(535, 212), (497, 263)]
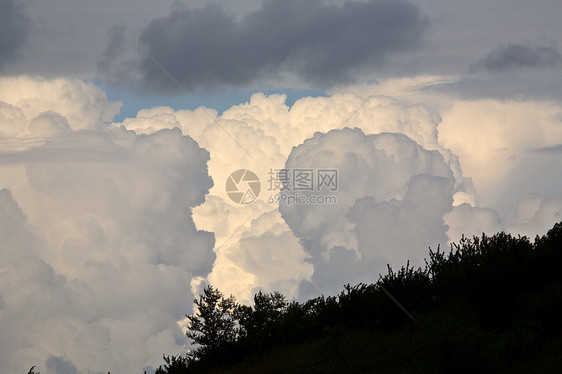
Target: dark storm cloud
[(516, 56), (14, 29), (108, 65), (320, 43)]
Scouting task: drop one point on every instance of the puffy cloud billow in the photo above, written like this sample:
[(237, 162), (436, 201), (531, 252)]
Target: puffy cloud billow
[(432, 204), (391, 198), (97, 233), (257, 247)]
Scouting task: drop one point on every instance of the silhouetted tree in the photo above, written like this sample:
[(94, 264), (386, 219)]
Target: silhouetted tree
[(264, 318), (213, 325), (173, 365)]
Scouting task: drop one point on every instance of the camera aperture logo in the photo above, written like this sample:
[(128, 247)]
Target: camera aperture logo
[(243, 186)]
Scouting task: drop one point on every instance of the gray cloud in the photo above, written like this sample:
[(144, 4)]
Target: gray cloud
[(536, 85), (108, 64), (320, 43), (60, 366), (14, 29), (388, 185), (555, 149), (517, 56)]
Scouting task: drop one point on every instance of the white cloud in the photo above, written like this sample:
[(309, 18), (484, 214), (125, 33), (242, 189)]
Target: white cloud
[(495, 141), (107, 234), (266, 130), (82, 104)]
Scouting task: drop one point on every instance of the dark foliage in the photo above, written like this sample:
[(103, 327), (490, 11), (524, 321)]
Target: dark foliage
[(491, 304)]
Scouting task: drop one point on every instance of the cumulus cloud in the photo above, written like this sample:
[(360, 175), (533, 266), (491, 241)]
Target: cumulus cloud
[(497, 142), (519, 56), (97, 232), (490, 139), (470, 221), (532, 215), (266, 129), (82, 104), (322, 43), (391, 199), (103, 220), (14, 30), (34, 293), (535, 214)]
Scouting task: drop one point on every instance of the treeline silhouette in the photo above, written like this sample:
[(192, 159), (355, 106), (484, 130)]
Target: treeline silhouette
[(490, 304)]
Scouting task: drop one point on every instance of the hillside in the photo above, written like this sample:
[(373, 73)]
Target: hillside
[(490, 304)]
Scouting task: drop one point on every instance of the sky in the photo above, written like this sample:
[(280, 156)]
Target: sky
[(135, 136)]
